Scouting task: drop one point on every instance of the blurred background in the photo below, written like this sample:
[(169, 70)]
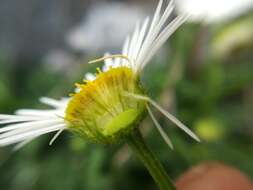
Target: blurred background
[(203, 74)]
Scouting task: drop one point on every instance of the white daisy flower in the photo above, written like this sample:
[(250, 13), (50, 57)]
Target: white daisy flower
[(109, 105)]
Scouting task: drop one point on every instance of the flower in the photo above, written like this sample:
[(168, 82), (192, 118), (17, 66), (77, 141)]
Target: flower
[(109, 105)]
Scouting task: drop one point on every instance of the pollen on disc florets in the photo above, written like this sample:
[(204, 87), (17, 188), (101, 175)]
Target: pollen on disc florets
[(101, 111)]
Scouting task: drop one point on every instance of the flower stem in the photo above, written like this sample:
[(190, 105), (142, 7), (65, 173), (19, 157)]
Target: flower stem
[(155, 168)]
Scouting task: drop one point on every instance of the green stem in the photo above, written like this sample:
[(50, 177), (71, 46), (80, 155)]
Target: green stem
[(155, 168)]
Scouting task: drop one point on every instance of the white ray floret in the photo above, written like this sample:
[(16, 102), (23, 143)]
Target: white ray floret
[(160, 129), (27, 124), (166, 114), (147, 38)]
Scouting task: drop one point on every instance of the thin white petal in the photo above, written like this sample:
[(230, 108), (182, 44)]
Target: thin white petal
[(140, 40), (52, 102), (165, 113), (134, 39), (17, 119), (125, 50), (150, 32), (29, 134), (159, 128), (10, 117), (126, 46), (165, 34), (14, 126), (166, 14), (154, 34), (175, 120), (156, 16), (147, 39), (40, 113), (27, 126), (56, 136)]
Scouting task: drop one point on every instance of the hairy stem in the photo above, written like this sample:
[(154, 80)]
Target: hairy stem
[(155, 168)]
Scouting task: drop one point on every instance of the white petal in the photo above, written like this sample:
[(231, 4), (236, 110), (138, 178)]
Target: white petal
[(140, 40), (154, 34), (165, 113), (40, 113), (126, 46), (159, 128), (15, 118), (20, 127), (164, 35), (147, 39), (56, 136), (9, 117), (30, 134), (175, 120), (134, 40), (52, 102), (27, 124)]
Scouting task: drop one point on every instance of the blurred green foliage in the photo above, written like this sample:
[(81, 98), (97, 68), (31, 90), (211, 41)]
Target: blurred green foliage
[(210, 91)]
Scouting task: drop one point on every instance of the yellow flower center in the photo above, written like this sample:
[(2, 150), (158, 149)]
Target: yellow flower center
[(101, 111)]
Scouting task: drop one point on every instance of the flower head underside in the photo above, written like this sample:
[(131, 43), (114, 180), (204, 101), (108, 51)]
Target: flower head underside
[(108, 105)]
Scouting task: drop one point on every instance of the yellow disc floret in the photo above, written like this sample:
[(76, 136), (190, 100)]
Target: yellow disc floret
[(101, 111)]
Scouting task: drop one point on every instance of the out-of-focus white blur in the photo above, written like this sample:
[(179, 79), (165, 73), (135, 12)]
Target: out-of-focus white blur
[(105, 26), (213, 10)]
